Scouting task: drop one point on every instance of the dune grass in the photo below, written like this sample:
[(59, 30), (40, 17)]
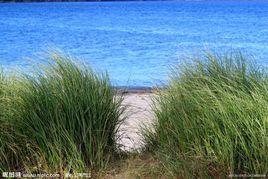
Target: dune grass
[(16, 151), (212, 119), (68, 112)]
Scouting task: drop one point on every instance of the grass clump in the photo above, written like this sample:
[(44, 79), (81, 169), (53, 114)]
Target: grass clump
[(69, 113), (213, 118), (16, 151)]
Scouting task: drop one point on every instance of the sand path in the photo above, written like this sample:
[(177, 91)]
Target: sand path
[(138, 113)]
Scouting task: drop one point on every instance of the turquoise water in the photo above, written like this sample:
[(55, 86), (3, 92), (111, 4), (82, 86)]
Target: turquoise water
[(135, 42)]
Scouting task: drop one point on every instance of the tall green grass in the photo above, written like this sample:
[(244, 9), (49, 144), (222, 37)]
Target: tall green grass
[(68, 112), (16, 151), (213, 118)]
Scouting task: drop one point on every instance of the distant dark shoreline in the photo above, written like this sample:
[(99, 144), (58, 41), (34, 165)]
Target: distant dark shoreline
[(25, 1)]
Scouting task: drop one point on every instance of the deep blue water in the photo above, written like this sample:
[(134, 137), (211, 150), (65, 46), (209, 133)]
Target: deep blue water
[(136, 42)]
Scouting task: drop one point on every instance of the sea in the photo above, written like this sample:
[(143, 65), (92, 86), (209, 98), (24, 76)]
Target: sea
[(136, 43)]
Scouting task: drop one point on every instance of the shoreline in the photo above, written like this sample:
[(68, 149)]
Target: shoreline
[(136, 89), (74, 1)]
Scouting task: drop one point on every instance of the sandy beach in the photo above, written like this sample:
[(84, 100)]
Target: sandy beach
[(138, 114)]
